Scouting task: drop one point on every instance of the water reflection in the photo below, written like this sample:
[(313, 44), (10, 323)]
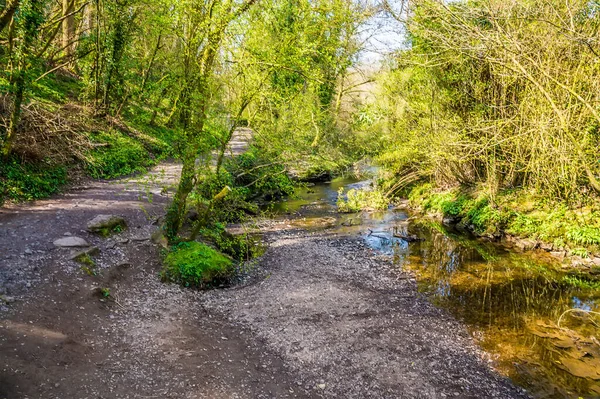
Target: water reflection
[(512, 302)]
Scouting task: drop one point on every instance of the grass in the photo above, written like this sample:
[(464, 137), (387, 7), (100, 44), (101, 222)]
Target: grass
[(116, 155), (21, 181), (196, 265), (518, 213)]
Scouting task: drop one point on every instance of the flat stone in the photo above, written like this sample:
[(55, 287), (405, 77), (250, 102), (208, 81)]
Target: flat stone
[(105, 222), (71, 241)]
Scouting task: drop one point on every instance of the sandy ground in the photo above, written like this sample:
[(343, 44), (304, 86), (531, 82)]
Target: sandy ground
[(321, 316)]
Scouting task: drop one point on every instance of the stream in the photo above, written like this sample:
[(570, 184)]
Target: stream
[(527, 312)]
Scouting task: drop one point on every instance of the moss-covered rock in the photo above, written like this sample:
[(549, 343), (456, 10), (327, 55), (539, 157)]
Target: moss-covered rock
[(193, 264)]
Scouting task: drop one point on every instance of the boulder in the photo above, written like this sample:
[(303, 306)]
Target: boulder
[(71, 242), (105, 224)]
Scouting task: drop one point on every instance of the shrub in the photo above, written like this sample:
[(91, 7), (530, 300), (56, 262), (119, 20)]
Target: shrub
[(358, 200), (193, 264)]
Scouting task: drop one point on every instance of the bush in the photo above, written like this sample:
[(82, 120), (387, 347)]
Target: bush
[(360, 200), (260, 178), (197, 265)]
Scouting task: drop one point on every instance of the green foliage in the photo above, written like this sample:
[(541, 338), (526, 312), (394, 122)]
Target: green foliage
[(21, 181), (480, 95), (517, 213), (582, 252), (259, 177), (241, 247), (584, 235), (117, 155), (197, 265), (359, 200), (582, 282)]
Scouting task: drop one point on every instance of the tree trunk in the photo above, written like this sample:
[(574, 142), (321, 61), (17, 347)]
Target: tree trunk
[(176, 211), (68, 28), (15, 116), (7, 14)]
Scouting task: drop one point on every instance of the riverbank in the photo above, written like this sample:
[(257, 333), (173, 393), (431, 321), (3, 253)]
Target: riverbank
[(519, 220), (322, 315)]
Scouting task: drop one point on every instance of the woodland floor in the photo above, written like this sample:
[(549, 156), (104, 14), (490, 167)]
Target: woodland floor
[(322, 316)]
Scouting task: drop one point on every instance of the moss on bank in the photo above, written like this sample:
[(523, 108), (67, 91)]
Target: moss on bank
[(197, 265), (517, 213)]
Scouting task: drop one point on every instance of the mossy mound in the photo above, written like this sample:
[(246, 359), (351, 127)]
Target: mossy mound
[(197, 265)]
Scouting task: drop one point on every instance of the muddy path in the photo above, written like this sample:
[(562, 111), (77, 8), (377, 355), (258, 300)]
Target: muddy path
[(323, 316)]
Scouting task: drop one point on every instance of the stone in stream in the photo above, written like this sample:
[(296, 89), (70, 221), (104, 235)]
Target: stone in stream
[(106, 224), (70, 242)]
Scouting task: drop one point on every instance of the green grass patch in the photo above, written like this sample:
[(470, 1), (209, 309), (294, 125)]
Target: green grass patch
[(196, 265), (25, 182), (117, 155)]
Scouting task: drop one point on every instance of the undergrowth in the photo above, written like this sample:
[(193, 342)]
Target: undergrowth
[(20, 181), (196, 265), (515, 212)]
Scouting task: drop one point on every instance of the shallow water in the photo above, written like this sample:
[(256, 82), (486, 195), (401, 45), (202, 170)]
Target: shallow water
[(511, 302)]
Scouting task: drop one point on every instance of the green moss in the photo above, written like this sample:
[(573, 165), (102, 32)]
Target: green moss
[(193, 264), (86, 260)]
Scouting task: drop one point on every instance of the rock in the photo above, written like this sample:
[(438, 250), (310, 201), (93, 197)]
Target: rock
[(105, 224), (88, 251), (71, 241), (28, 251), (67, 234), (159, 238), (526, 244), (558, 254), (547, 246), (7, 299), (450, 221)]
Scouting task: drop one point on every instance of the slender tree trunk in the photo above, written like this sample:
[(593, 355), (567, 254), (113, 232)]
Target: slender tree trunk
[(68, 28), (150, 65)]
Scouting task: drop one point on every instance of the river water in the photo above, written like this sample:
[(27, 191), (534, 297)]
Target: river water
[(511, 302)]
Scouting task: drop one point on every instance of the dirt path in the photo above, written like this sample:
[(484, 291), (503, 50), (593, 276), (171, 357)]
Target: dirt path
[(324, 317)]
